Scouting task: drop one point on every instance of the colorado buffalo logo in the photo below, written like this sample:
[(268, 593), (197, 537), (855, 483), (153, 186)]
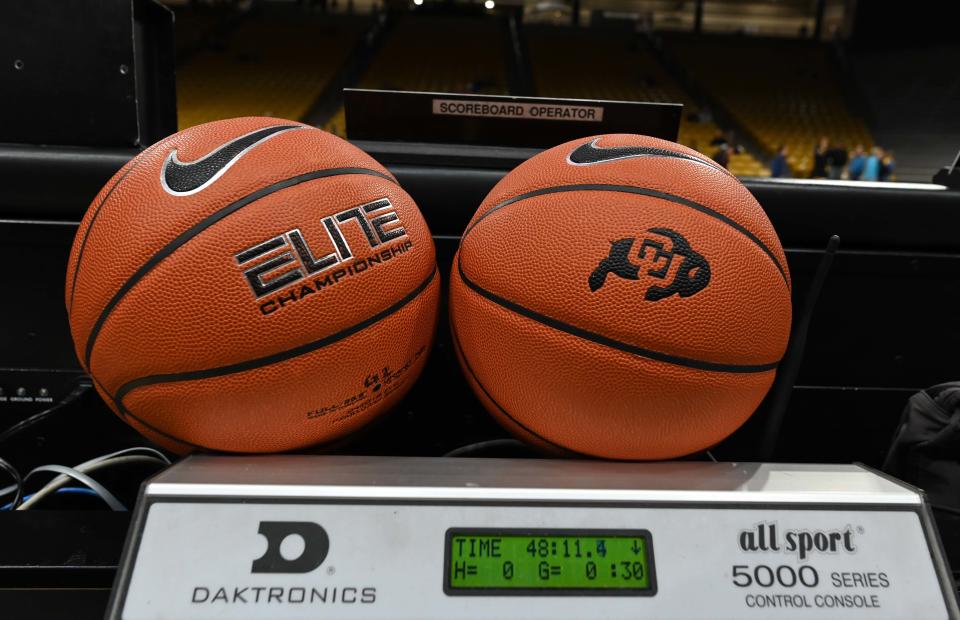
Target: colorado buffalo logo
[(692, 274)]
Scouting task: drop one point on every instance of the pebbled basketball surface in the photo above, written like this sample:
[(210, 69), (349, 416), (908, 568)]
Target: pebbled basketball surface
[(620, 296), (252, 285)]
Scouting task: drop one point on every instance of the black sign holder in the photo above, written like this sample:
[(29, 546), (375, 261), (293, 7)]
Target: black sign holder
[(498, 121)]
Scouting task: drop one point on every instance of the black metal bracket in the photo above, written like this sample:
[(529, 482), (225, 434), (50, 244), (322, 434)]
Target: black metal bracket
[(949, 175), (782, 388)]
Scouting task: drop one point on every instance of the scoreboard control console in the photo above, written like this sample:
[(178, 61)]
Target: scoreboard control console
[(385, 537)]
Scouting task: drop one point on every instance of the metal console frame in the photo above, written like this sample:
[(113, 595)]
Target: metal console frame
[(533, 482)]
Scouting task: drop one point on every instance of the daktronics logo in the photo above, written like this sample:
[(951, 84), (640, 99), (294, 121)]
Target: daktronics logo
[(316, 544), (304, 585), (288, 263)]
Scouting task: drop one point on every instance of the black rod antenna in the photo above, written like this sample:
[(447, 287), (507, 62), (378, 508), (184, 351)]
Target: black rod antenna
[(790, 366)]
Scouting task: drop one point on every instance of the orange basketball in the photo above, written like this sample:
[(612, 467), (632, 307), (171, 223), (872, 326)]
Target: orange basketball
[(620, 296), (252, 285)]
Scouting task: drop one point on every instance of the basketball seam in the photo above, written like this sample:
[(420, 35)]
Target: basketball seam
[(163, 434), (124, 414), (273, 358), (642, 191), (202, 225), (612, 343), (86, 233), (466, 364)]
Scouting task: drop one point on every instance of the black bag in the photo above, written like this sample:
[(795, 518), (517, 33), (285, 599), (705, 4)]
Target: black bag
[(926, 453)]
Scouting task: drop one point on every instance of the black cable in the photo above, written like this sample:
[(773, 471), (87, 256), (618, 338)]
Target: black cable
[(484, 446), (17, 480), (947, 509), (83, 385), (782, 389)]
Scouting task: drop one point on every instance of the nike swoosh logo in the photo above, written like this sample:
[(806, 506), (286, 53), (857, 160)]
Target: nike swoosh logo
[(589, 154), (185, 178)]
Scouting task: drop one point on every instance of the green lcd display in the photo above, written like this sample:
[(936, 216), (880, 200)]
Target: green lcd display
[(549, 562)]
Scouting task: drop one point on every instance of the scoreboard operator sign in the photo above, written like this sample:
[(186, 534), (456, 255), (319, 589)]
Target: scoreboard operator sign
[(497, 120), (495, 109)]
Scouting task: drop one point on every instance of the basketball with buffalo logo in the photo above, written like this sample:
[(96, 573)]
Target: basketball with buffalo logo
[(620, 296), (252, 285)]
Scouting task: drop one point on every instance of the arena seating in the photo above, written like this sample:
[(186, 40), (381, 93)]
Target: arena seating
[(195, 27), (337, 124), (780, 91), (436, 53), (275, 65), (914, 97), (777, 91), (605, 64), (441, 54)]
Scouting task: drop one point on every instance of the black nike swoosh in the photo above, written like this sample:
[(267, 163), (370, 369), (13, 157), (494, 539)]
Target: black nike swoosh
[(589, 154), (182, 178)]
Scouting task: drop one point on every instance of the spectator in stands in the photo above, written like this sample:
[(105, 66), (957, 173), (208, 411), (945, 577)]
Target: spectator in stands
[(726, 146), (857, 162), (887, 164), (871, 169), (836, 161), (778, 166), (722, 156), (820, 159)]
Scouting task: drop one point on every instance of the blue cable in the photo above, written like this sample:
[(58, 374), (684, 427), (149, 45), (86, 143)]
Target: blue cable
[(64, 491)]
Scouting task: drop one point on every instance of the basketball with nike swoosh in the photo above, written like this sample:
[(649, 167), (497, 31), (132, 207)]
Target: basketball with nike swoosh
[(252, 285), (620, 296)]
